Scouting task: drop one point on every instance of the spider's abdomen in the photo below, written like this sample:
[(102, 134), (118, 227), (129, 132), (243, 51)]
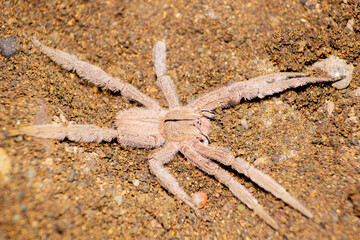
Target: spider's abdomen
[(139, 127)]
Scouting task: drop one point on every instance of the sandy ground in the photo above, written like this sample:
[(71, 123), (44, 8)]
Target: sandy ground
[(307, 139)]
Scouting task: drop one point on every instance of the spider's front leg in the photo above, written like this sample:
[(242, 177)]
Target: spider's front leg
[(96, 75), (256, 87), (164, 81), (157, 161)]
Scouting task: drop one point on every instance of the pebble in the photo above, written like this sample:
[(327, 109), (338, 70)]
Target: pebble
[(355, 93), (279, 158), (244, 124), (261, 161), (199, 199), (9, 46), (307, 167), (16, 218), (19, 138), (336, 67), (86, 170), (155, 224), (136, 182), (61, 226), (350, 24), (31, 174), (268, 123), (330, 106), (354, 197), (241, 207), (71, 176), (48, 162), (5, 163), (118, 199)]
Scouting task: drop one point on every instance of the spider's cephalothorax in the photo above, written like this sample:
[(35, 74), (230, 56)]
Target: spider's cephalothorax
[(183, 124), (178, 129)]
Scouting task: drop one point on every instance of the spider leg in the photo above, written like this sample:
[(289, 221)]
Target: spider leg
[(225, 178), (164, 81), (157, 161), (90, 133), (240, 165), (96, 75), (256, 87), (75, 132)]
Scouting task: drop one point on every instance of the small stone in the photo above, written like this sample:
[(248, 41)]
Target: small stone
[(31, 175), (118, 199), (355, 93), (86, 170), (260, 161), (60, 226), (55, 36), (211, 14), (48, 162), (136, 182), (35, 162), (330, 106), (336, 68), (244, 124), (16, 218), (350, 24), (5, 163), (19, 138), (9, 46), (71, 176), (199, 199), (307, 167), (278, 158), (241, 207), (155, 224), (354, 197), (268, 123)]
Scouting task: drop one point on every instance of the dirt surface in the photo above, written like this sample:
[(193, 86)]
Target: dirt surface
[(307, 139)]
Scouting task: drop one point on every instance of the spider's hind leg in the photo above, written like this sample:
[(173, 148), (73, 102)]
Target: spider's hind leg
[(241, 166), (225, 178), (157, 161)]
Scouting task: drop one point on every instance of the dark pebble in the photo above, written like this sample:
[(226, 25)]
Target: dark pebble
[(9, 46), (71, 176)]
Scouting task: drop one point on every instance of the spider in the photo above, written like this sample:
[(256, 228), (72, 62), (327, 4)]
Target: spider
[(183, 129)]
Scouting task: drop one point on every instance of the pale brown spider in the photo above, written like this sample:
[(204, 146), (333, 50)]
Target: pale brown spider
[(182, 129)]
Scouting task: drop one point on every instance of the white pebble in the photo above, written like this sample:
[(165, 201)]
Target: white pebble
[(118, 199), (136, 182), (336, 67)]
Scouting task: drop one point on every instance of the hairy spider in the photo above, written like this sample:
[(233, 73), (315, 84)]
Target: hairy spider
[(183, 129)]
